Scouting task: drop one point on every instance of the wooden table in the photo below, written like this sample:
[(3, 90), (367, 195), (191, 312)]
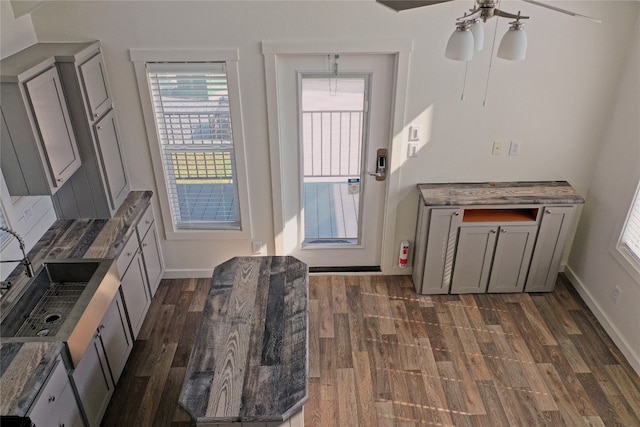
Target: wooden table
[(249, 363)]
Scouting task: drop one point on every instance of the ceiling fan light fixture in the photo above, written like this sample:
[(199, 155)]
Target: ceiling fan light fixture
[(478, 35), (514, 43), (460, 46)]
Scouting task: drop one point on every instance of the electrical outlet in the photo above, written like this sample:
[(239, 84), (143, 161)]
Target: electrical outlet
[(412, 150), (497, 148), (514, 148), (257, 247), (28, 214), (616, 294)]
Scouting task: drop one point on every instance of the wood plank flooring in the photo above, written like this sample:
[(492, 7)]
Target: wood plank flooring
[(380, 355)]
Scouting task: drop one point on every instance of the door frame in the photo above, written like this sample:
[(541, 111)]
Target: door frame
[(401, 50)]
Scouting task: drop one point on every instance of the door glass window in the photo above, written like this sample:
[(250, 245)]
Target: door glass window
[(332, 123)]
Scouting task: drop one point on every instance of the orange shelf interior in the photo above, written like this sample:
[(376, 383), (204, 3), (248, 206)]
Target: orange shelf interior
[(499, 215)]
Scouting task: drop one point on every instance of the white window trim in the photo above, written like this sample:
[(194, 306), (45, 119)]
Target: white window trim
[(140, 57), (619, 251)]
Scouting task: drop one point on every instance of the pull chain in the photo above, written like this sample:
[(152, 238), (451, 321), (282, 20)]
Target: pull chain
[(333, 73)]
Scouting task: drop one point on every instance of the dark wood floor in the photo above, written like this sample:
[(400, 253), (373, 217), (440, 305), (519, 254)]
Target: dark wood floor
[(382, 356)]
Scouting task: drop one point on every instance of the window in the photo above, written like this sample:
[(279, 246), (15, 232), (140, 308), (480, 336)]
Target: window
[(631, 232), (193, 113)]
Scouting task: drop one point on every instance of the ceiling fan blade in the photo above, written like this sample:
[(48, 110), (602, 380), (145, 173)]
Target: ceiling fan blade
[(399, 5), (557, 9)]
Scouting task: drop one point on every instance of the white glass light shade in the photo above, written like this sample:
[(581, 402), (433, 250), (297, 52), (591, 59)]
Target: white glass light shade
[(478, 35), (460, 45), (513, 45)]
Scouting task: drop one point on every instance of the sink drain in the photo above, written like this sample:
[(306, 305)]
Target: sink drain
[(42, 332), (52, 318)]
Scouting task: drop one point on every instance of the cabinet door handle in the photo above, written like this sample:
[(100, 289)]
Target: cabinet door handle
[(504, 230), (457, 213), (99, 127), (96, 115), (52, 398), (493, 231), (547, 211), (60, 180)]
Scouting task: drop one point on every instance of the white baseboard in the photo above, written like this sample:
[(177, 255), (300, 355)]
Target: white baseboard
[(620, 342), (187, 273)]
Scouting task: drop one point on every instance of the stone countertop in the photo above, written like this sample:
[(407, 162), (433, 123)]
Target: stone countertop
[(19, 390), (499, 193), (25, 366), (249, 362)]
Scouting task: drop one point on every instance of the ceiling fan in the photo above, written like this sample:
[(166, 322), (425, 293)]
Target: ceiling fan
[(469, 35)]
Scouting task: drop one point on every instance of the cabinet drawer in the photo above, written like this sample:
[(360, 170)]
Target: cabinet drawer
[(50, 394), (145, 223), (128, 253)]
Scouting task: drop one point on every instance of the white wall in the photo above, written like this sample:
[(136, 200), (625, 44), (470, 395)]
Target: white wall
[(15, 35), (593, 266), (555, 102)]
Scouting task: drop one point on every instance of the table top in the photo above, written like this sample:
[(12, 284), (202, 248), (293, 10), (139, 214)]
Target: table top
[(499, 193), (249, 361)]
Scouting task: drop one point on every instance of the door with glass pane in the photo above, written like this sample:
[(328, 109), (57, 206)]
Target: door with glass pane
[(335, 124)]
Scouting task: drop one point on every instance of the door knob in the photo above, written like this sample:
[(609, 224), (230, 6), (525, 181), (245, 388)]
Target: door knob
[(381, 165)]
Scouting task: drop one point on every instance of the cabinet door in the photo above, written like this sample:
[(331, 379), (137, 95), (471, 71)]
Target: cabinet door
[(152, 258), (93, 382), (56, 404), (512, 258), (94, 81), (116, 337), (67, 413), (110, 158), (554, 228), (474, 254), (49, 107), (441, 241), (136, 293)]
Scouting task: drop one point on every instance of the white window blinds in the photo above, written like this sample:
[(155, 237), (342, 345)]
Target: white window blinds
[(631, 234), (193, 119)]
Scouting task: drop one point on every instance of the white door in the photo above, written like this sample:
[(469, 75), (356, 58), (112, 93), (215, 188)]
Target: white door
[(335, 116)]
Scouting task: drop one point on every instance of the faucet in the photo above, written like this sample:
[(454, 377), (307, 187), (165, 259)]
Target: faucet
[(25, 261)]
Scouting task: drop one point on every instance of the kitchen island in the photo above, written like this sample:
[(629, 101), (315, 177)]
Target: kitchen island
[(249, 362)]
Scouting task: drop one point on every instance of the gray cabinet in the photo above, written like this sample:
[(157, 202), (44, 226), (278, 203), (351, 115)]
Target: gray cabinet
[(135, 289), (435, 246), (56, 404), (101, 184), (93, 382), (475, 248), (492, 258), (39, 149), (109, 157), (148, 238), (474, 255), (59, 130), (554, 228), (94, 83), (512, 256), (116, 337)]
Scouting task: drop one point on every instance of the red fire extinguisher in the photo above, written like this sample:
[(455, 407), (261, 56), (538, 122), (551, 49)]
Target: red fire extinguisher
[(404, 254)]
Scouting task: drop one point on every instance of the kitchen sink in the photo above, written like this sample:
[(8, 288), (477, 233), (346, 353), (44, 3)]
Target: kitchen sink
[(64, 301)]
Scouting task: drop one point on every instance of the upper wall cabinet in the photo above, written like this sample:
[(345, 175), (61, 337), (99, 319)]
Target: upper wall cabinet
[(100, 185), (39, 149)]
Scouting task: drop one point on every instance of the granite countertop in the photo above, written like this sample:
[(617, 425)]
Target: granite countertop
[(25, 366), (499, 193), (19, 390), (249, 361)]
